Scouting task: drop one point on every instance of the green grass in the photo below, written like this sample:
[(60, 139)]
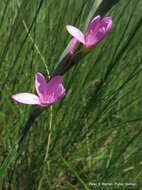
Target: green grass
[(95, 131)]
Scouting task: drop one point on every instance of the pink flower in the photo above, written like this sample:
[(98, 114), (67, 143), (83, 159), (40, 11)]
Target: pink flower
[(48, 93), (97, 30)]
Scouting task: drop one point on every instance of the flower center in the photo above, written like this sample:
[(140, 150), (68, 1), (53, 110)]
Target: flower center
[(47, 99)]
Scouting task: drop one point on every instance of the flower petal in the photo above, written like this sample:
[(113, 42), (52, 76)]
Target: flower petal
[(101, 30), (73, 44), (96, 19), (76, 33), (92, 40), (40, 84), (54, 89), (107, 23), (93, 25), (26, 98)]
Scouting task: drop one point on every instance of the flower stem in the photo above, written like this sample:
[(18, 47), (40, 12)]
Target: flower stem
[(47, 149)]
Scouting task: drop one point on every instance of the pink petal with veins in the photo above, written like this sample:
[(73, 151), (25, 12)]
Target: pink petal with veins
[(54, 89), (26, 98), (92, 40), (93, 25), (76, 33), (40, 84), (107, 23)]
